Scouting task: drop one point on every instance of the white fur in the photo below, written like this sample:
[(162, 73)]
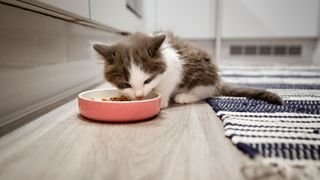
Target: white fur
[(172, 76), (195, 94), (139, 77)]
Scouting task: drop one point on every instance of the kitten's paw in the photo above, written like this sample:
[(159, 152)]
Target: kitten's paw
[(184, 98), (164, 104)]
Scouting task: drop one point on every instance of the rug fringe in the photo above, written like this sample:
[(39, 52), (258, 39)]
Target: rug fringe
[(259, 168), (312, 172)]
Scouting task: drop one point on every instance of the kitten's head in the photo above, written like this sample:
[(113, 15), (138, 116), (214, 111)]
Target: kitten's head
[(134, 66)]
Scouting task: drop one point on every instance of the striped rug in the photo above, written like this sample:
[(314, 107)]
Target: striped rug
[(289, 133)]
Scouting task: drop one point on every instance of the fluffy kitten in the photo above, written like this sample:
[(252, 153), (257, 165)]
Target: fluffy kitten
[(172, 67)]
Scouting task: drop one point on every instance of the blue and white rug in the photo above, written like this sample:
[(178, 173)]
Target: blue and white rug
[(289, 133)]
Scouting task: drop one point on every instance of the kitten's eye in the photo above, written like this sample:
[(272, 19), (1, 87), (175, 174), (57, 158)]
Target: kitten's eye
[(147, 81), (125, 85)]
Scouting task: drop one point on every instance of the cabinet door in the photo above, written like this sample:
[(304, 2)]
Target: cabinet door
[(190, 19), (270, 18), (114, 13), (78, 7)]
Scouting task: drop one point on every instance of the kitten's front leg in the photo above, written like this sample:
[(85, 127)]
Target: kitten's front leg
[(164, 100), (165, 95), (164, 103)]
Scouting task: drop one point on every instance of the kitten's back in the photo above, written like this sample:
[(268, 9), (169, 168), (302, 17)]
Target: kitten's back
[(198, 67)]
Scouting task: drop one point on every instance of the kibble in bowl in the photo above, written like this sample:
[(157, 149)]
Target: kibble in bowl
[(121, 98), (110, 105), (118, 98)]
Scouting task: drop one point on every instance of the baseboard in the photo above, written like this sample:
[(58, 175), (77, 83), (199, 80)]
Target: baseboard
[(17, 119)]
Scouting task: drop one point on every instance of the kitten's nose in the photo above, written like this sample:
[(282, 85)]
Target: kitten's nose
[(139, 94)]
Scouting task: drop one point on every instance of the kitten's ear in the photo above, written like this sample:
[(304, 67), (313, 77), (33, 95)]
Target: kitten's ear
[(155, 43), (108, 52)]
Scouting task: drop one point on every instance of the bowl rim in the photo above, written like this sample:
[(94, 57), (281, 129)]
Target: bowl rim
[(80, 96)]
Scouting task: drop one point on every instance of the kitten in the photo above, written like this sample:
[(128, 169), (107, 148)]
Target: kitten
[(172, 67)]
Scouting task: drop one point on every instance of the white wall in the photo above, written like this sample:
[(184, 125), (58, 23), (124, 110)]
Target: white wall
[(187, 18), (270, 18)]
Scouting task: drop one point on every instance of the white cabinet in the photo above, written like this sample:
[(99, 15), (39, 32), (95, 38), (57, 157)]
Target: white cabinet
[(270, 18), (114, 13), (187, 18), (78, 7)]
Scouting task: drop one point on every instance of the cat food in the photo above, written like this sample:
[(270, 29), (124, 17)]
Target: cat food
[(121, 98)]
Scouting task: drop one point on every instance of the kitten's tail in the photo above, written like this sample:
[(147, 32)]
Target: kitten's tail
[(232, 90)]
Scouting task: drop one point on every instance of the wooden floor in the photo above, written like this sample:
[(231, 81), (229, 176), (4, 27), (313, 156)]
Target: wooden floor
[(183, 142)]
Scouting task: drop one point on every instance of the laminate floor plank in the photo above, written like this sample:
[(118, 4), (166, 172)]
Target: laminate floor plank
[(183, 142)]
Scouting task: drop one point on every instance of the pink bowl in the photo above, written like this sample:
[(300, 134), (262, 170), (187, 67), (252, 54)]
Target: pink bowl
[(117, 111)]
